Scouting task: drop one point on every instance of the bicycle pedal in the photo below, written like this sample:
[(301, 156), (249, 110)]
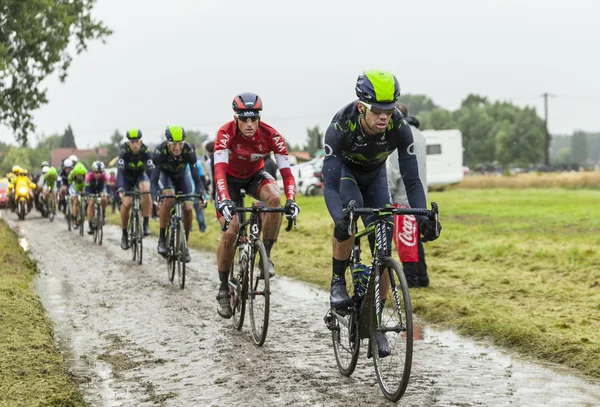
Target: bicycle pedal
[(328, 319)]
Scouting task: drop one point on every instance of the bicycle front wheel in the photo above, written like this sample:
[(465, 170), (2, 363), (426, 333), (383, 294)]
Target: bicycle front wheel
[(139, 237), (392, 331), (259, 293), (68, 215), (131, 235), (181, 251), (238, 288), (170, 239), (99, 224)]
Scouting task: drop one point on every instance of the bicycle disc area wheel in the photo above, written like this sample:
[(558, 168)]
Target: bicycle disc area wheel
[(344, 325), (170, 239), (259, 293), (181, 248), (238, 287), (394, 325)]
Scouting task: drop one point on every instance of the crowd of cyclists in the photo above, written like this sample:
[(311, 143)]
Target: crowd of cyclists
[(357, 144)]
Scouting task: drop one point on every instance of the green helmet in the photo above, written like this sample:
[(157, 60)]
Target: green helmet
[(52, 173), (79, 169)]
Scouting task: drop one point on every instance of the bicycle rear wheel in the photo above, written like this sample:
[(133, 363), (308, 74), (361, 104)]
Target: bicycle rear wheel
[(259, 293), (344, 325), (395, 323), (181, 250), (238, 288), (345, 336)]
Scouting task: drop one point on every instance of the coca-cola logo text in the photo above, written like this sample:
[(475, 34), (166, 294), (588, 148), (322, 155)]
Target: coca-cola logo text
[(408, 233)]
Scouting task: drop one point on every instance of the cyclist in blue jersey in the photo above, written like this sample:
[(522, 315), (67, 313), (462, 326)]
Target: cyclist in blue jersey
[(357, 143), (170, 159)]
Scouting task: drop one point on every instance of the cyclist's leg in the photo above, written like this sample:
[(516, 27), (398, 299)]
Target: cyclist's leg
[(146, 201), (264, 187), (90, 214), (226, 247), (184, 185), (341, 250), (126, 204), (74, 203), (166, 187)]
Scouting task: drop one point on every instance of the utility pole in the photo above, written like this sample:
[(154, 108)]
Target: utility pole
[(547, 135)]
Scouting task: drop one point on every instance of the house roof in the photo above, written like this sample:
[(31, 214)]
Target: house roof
[(57, 155)]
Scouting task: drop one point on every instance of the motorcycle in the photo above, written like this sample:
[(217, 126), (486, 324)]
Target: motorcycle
[(23, 197)]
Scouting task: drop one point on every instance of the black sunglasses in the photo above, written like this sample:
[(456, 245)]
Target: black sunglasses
[(378, 111), (251, 118)]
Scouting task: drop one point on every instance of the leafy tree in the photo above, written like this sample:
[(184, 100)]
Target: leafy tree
[(68, 138), (473, 100), (35, 39), (196, 138), (16, 156), (417, 104), (476, 126), (437, 119), (578, 148), (314, 140)]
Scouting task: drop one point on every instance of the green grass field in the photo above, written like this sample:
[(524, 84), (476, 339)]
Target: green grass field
[(32, 372), (521, 267)]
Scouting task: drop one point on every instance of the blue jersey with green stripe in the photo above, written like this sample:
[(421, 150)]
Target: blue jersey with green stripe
[(346, 144)]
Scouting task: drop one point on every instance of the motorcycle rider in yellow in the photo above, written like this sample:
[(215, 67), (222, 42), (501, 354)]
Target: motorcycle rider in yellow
[(76, 182), (20, 185)]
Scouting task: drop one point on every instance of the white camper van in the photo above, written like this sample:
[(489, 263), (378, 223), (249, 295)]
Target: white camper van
[(444, 157)]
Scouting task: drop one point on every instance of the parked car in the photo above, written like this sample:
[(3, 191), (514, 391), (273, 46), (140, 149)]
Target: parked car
[(3, 192), (309, 179)]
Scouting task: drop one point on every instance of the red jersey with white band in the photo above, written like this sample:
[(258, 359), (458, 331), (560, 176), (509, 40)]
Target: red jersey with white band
[(240, 156)]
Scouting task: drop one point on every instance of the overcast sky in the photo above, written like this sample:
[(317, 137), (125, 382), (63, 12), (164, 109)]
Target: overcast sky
[(181, 62)]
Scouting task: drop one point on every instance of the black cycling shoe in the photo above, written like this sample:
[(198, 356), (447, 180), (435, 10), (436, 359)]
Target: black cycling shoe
[(147, 230), (124, 242), (90, 229), (338, 297), (224, 309), (417, 281), (187, 257), (383, 346), (162, 248)]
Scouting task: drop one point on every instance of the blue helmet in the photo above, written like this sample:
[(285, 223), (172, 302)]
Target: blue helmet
[(378, 88), (175, 133)]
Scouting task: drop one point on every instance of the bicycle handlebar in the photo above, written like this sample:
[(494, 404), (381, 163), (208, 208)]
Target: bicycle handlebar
[(431, 214), (132, 193), (180, 197), (258, 209)]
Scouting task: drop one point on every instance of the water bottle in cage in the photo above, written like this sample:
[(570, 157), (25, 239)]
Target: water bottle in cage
[(360, 278)]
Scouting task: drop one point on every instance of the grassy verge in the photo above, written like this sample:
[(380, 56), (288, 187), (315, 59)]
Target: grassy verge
[(573, 180), (32, 372), (521, 267)]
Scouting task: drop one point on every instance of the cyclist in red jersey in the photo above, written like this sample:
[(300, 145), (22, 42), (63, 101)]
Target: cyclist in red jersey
[(240, 149)]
